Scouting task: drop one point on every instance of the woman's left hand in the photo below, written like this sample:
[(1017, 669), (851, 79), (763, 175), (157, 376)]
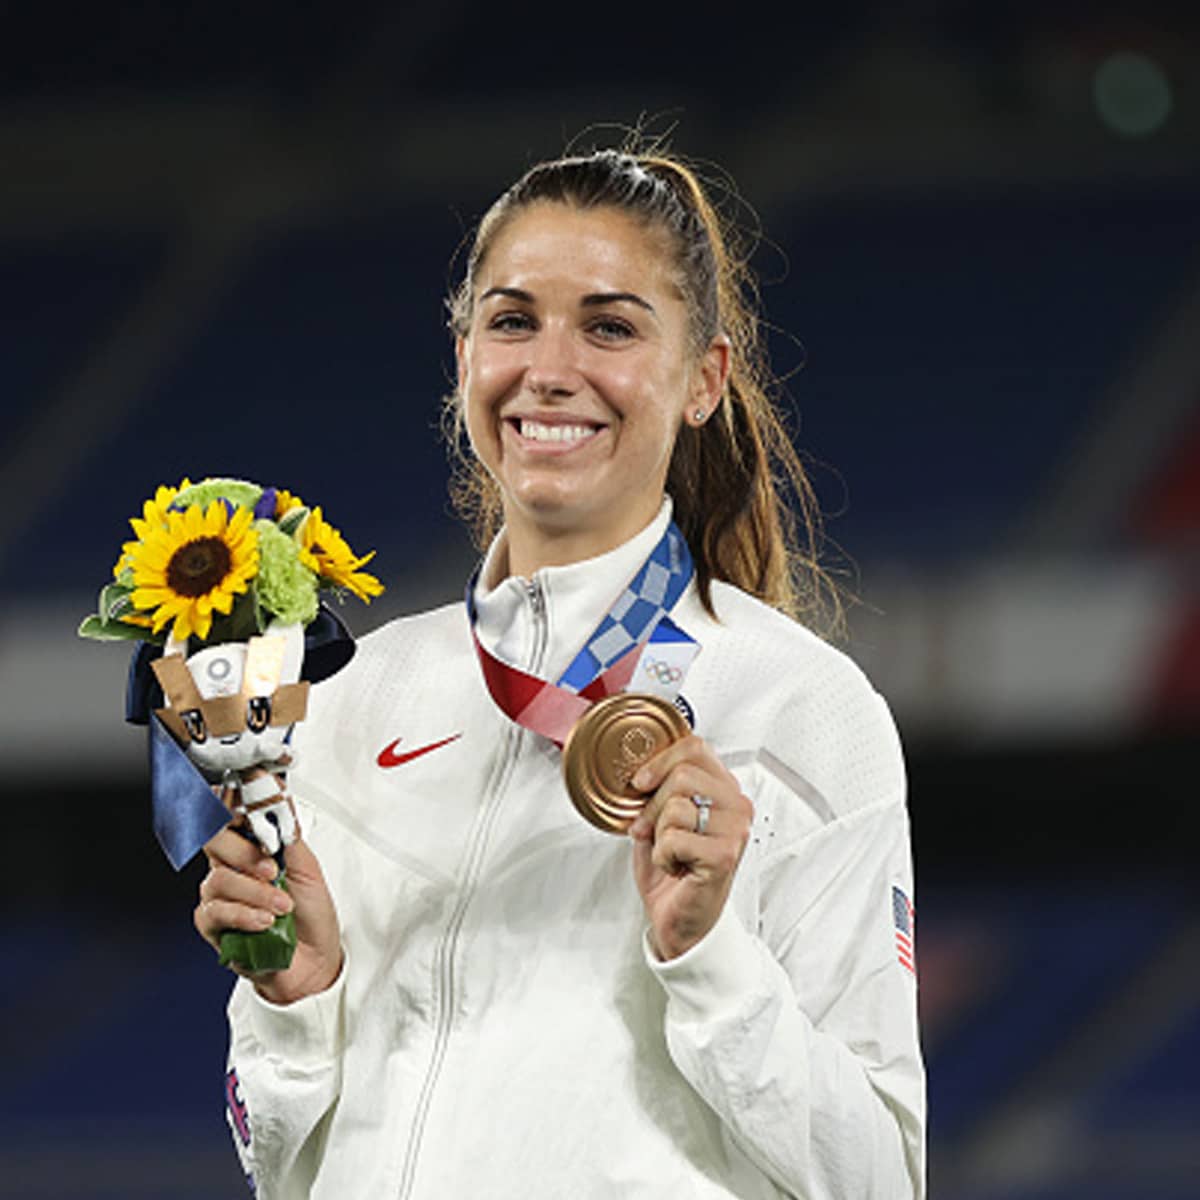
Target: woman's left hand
[(684, 876)]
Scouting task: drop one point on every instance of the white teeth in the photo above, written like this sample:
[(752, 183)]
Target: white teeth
[(536, 431)]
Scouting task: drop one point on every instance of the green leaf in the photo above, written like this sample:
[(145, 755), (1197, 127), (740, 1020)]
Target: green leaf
[(113, 631), (292, 520), (267, 950), (115, 601)]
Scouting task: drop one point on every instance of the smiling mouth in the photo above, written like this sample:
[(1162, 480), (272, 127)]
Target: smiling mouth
[(542, 431)]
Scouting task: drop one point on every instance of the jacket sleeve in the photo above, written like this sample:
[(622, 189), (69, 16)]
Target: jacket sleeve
[(801, 1033), (283, 1078)]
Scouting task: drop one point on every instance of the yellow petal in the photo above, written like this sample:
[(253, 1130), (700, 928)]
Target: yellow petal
[(193, 522), (183, 626), (203, 624), (151, 597)]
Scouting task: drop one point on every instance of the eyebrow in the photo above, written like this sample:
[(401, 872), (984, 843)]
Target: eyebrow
[(592, 300), (596, 299)]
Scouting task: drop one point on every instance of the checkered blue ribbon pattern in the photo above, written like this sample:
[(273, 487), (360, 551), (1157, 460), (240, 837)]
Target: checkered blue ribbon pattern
[(634, 624), (640, 609)]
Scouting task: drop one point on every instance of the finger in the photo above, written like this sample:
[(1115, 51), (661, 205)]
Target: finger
[(679, 812), (679, 851), (303, 869), (685, 780), (230, 849), (221, 883), (213, 917), (687, 749)]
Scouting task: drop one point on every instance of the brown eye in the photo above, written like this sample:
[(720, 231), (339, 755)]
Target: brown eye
[(193, 722), (258, 713)]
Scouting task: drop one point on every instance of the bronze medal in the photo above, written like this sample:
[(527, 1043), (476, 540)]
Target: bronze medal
[(607, 746)]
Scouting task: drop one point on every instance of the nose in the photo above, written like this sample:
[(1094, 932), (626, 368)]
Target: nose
[(552, 369)]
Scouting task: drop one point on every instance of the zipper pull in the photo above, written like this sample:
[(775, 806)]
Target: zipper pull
[(535, 597)]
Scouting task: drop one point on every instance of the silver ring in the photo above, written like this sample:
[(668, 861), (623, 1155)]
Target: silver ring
[(703, 808)]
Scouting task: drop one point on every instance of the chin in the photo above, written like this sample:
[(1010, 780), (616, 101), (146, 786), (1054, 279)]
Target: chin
[(558, 514), (556, 501)]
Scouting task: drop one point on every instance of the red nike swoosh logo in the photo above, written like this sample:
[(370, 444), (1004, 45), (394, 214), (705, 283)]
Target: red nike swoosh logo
[(389, 758)]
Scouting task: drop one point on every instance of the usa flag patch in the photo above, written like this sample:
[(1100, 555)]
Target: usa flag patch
[(902, 918)]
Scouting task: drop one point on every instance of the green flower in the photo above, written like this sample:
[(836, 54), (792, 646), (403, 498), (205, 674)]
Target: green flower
[(287, 589), (236, 491)]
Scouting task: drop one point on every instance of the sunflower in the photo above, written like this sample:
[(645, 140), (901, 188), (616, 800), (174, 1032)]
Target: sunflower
[(154, 516), (324, 550), (285, 501), (193, 566)]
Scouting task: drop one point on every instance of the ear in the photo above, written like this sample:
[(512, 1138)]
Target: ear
[(709, 379), (460, 361)]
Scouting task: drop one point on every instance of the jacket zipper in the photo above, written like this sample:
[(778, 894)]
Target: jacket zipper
[(448, 943), (541, 630)]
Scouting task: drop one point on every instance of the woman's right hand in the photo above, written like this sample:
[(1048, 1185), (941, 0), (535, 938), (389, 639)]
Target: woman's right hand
[(237, 893)]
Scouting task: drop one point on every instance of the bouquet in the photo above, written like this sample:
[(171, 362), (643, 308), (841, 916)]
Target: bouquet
[(222, 585)]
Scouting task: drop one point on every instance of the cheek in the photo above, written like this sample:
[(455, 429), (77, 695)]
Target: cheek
[(660, 407), (480, 422), (490, 378)]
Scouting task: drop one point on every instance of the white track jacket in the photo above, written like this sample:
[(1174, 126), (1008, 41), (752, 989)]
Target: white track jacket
[(500, 1028)]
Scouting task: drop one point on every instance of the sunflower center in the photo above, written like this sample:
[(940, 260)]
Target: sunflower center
[(198, 566)]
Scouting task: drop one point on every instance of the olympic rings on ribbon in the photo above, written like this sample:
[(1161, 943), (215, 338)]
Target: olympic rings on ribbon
[(661, 671)]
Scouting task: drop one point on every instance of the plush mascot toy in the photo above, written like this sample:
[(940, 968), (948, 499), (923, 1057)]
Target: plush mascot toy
[(222, 587)]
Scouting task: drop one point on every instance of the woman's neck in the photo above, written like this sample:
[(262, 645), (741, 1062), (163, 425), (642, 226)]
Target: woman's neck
[(528, 547), (531, 547)]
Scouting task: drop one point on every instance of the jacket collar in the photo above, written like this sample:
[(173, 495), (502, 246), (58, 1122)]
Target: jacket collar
[(539, 624)]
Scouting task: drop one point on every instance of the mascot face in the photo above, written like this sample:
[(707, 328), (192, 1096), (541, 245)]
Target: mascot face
[(233, 705), (218, 672)]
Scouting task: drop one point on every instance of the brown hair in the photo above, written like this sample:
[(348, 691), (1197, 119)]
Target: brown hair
[(730, 477)]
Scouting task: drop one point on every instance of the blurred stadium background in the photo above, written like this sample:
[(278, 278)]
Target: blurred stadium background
[(224, 240)]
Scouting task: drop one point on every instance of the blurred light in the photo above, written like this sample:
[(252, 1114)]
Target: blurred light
[(1132, 94)]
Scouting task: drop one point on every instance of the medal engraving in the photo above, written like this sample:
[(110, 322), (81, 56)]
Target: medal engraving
[(605, 749)]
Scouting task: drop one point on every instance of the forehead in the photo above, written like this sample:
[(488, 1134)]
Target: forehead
[(589, 249)]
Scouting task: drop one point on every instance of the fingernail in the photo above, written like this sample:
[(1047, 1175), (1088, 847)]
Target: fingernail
[(267, 868), (263, 919), (281, 902), (641, 779)]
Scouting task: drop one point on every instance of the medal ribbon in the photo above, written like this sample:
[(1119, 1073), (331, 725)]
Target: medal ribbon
[(610, 656)]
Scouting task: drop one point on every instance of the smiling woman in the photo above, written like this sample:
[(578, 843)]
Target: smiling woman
[(709, 1003), (575, 376), (732, 466)]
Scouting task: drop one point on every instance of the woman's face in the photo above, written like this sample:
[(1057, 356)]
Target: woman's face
[(575, 375)]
